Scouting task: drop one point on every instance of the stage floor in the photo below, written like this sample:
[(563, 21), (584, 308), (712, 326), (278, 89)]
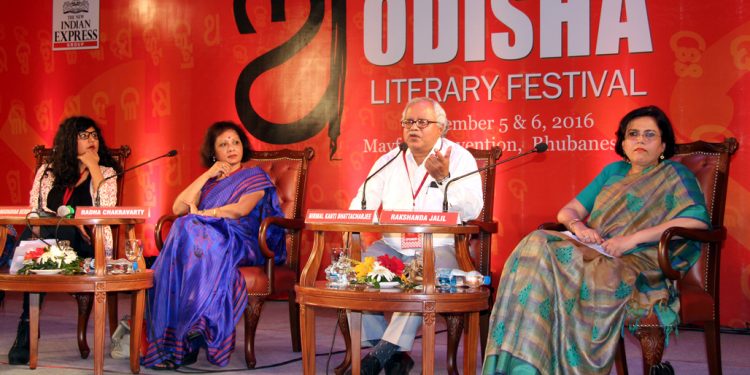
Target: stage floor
[(58, 352)]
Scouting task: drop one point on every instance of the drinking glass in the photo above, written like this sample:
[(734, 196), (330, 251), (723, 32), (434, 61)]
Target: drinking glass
[(340, 267), (339, 254), (133, 252)]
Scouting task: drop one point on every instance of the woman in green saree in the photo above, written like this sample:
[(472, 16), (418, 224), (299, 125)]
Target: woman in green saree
[(560, 304)]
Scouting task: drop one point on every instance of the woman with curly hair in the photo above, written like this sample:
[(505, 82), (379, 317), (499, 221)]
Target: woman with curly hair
[(80, 163)]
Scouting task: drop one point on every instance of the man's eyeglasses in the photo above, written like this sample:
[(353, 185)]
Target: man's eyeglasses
[(84, 136), (648, 135), (421, 123)]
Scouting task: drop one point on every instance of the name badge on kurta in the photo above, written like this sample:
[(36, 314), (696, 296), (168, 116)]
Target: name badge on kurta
[(411, 240)]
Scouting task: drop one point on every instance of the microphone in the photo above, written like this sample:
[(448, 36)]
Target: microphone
[(401, 148), (66, 211), (539, 148), (40, 211), (169, 154)]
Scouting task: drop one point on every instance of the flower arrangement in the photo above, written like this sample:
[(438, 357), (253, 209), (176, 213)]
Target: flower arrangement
[(51, 258), (383, 269)]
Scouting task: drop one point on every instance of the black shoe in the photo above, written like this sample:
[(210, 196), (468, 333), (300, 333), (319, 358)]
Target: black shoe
[(19, 352), (399, 363), (368, 366), (166, 365), (190, 358)]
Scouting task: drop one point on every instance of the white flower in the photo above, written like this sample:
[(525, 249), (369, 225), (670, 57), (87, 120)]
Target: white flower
[(70, 256), (45, 257), (379, 273), (56, 252)]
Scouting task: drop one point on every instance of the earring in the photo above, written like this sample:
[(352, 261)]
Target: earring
[(213, 158), (661, 157)]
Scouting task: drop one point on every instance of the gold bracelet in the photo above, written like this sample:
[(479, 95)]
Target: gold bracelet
[(214, 212), (570, 223)]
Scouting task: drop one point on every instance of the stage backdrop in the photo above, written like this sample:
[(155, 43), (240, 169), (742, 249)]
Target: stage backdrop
[(335, 75)]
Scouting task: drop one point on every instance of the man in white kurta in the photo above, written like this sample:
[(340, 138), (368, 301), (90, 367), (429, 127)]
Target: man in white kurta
[(416, 180)]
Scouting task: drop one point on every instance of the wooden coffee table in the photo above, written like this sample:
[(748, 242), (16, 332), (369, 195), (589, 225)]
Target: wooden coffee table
[(99, 284), (312, 294)]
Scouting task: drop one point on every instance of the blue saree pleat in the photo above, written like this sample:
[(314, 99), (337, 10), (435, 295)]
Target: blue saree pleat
[(198, 291)]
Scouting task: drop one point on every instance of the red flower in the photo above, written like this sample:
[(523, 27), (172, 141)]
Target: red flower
[(33, 254), (393, 264)]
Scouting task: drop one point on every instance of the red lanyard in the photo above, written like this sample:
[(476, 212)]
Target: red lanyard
[(414, 193), (69, 190)]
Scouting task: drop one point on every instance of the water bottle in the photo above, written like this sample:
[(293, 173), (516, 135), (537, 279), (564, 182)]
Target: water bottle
[(474, 279)]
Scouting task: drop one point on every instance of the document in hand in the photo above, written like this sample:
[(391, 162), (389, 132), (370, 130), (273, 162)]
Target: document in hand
[(594, 246)]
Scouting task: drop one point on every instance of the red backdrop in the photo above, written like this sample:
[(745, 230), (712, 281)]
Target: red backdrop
[(335, 75)]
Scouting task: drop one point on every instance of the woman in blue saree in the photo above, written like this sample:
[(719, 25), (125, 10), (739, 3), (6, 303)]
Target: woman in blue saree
[(199, 295), (570, 301)]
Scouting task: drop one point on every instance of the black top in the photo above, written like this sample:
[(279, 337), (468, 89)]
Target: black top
[(81, 196)]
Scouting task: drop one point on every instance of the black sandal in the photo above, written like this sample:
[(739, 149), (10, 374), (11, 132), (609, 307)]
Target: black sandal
[(190, 358), (167, 365)]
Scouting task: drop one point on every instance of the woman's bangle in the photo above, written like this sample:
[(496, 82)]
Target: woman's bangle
[(570, 223), (213, 213)]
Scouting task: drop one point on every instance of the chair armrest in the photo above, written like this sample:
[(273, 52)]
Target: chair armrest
[(702, 235), (289, 224), (157, 231), (484, 226), (553, 226)]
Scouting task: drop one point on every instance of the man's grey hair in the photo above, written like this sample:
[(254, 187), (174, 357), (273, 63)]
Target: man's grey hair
[(440, 115)]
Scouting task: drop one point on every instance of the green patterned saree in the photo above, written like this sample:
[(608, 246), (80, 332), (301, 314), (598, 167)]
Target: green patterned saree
[(561, 306)]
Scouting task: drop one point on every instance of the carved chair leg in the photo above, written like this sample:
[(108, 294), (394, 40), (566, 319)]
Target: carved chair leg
[(85, 303), (294, 322), (252, 315), (621, 362), (652, 345), (112, 312), (343, 322), (455, 323), (713, 347)]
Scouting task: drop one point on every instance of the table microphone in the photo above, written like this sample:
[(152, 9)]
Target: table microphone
[(539, 148), (401, 148), (167, 155), (66, 211)]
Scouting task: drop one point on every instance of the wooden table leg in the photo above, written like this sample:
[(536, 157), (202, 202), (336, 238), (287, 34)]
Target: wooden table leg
[(428, 338), (100, 309), (136, 329), (33, 329), (307, 318), (356, 332), (471, 335)]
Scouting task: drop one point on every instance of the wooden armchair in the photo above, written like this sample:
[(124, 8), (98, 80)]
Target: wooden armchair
[(699, 288), (288, 172), (480, 247), (85, 300)]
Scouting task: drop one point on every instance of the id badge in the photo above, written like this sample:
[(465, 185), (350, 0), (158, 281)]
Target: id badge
[(411, 240)]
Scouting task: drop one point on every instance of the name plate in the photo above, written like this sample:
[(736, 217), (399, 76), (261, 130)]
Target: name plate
[(120, 212), (419, 217), (315, 216), (14, 211)]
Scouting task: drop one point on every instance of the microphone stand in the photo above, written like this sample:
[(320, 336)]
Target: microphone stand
[(401, 148), (167, 155), (539, 148)]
